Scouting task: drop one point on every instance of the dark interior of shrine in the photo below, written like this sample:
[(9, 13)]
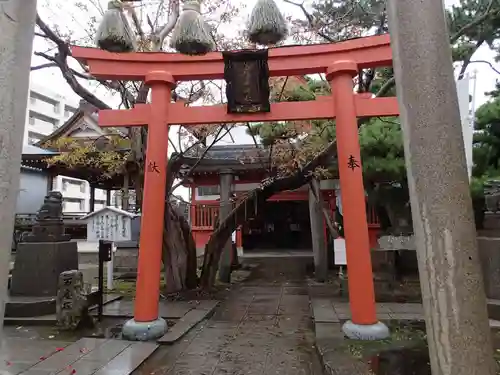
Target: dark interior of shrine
[(279, 225)]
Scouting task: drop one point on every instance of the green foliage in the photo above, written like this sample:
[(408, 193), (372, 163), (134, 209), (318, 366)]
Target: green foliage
[(108, 157), (382, 150), (486, 150), (477, 187), (338, 20), (461, 15), (380, 139)]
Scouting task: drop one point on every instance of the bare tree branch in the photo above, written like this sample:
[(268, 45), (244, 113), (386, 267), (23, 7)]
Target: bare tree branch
[(467, 60), (454, 38), (310, 20), (497, 71), (135, 19), (191, 170), (61, 60), (43, 66), (172, 20)]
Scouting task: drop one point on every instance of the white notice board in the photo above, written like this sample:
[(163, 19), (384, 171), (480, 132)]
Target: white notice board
[(339, 252)]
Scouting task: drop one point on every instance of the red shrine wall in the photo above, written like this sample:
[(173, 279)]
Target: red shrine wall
[(205, 207)]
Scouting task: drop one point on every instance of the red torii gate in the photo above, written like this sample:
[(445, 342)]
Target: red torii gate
[(160, 71)]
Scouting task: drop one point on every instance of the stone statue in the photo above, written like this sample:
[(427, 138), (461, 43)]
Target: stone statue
[(492, 195), (51, 208), (49, 226)]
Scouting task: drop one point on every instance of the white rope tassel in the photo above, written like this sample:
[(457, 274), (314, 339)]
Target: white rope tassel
[(191, 35), (267, 25), (193, 5), (114, 33)]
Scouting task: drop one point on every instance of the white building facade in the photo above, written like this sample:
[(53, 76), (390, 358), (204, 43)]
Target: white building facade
[(46, 112)]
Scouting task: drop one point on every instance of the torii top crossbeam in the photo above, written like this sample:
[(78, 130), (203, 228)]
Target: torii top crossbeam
[(369, 52)]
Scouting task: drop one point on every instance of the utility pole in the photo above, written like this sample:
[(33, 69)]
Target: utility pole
[(17, 25), (453, 294)]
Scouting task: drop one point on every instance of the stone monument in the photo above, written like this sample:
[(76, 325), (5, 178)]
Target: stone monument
[(71, 302), (44, 253)]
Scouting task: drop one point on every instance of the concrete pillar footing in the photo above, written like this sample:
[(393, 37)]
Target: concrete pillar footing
[(371, 332), (144, 331)]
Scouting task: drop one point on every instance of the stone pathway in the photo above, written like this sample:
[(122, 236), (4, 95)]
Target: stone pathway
[(87, 356), (264, 327)]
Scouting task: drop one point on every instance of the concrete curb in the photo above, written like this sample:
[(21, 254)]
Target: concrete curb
[(203, 311), (50, 320)]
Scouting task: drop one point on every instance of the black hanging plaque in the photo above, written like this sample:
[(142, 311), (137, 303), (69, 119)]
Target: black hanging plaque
[(247, 81)]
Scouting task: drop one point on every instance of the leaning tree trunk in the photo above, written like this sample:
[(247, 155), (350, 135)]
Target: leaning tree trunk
[(179, 247), (257, 197), (179, 252)]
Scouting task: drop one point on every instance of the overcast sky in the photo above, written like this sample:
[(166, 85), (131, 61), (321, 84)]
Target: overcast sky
[(69, 18), (74, 21)]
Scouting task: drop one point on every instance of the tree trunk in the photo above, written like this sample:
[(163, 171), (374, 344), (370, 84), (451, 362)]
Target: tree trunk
[(257, 197), (179, 252), (179, 247), (125, 194)]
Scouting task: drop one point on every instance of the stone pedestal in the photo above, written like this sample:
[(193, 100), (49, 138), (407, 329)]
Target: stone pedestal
[(489, 255), (318, 233), (125, 260), (226, 180), (38, 266)]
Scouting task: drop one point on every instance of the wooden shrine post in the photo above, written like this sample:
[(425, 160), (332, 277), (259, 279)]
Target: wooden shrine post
[(360, 276), (153, 200), (162, 70), (147, 324)]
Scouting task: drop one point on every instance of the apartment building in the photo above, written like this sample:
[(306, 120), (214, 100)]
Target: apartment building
[(46, 112)]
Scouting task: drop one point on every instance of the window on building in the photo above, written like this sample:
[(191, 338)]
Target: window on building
[(208, 190), (73, 205), (82, 187), (34, 137), (57, 108), (31, 120), (69, 111)]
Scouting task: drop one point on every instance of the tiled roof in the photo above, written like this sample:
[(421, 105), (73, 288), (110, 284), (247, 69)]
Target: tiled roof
[(34, 150)]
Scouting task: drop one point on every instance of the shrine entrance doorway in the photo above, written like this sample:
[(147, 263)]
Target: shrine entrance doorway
[(280, 225)]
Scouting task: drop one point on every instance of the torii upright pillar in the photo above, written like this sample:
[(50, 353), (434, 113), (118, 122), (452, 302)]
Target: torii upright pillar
[(147, 325), (364, 324)]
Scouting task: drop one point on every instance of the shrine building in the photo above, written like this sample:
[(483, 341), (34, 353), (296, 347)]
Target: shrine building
[(282, 224)]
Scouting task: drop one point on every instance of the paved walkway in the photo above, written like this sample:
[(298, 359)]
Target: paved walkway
[(263, 328), (87, 356)]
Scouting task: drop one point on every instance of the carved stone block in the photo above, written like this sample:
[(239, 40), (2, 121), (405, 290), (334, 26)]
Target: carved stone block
[(71, 301)]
